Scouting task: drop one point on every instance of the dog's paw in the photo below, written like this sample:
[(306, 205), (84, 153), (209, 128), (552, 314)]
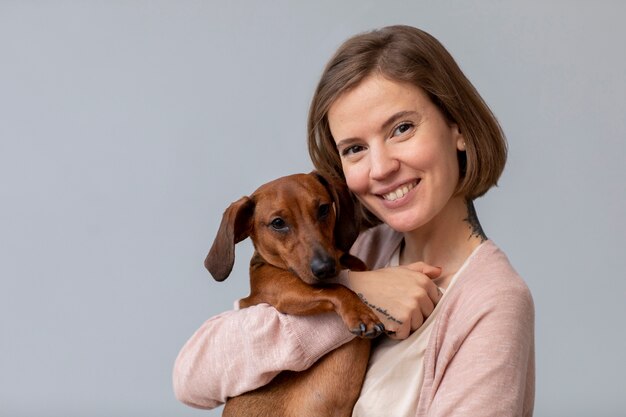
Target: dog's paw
[(365, 324), (362, 331)]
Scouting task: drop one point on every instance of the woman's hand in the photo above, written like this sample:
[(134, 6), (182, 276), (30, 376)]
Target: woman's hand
[(402, 297)]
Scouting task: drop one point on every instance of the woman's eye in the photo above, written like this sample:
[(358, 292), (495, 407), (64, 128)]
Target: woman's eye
[(351, 150), (278, 224), (402, 128)]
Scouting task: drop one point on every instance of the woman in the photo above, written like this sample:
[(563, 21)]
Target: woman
[(395, 118)]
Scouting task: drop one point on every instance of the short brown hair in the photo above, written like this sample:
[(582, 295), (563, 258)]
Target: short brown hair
[(408, 54)]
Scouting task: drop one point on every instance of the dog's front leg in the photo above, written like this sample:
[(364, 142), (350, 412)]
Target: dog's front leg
[(290, 295)]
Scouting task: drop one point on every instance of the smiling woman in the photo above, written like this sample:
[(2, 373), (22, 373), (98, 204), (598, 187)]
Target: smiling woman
[(399, 157), (408, 55), (394, 118)]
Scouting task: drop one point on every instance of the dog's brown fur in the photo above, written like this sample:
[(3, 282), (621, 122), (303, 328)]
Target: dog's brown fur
[(302, 228)]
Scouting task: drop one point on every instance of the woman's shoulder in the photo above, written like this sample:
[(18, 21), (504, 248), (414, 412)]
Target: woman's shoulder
[(489, 298), (488, 280)]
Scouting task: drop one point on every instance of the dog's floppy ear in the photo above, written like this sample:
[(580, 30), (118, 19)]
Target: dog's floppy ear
[(347, 224), (235, 227)]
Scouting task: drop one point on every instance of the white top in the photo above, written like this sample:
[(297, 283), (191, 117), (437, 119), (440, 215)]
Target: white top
[(396, 368)]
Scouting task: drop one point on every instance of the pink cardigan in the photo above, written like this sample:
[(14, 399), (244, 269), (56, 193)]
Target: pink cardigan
[(479, 360)]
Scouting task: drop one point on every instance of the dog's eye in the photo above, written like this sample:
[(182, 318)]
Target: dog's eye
[(278, 224), (323, 211)]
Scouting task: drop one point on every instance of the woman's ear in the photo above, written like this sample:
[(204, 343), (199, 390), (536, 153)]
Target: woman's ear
[(460, 139), (460, 145)]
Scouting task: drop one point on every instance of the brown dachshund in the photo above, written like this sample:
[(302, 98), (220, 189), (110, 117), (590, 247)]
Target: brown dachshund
[(302, 228)]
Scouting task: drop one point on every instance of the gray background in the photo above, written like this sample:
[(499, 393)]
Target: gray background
[(128, 126)]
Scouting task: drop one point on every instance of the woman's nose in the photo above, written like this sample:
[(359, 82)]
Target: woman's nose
[(382, 163)]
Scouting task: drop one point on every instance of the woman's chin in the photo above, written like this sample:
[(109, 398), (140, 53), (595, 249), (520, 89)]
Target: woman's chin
[(401, 223)]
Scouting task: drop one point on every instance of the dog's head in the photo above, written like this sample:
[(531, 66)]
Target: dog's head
[(303, 223)]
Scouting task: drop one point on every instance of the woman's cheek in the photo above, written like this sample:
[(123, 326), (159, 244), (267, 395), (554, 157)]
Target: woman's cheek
[(356, 179)]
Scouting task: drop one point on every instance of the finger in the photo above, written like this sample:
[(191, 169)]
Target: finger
[(426, 307), (391, 332), (398, 329), (400, 334), (428, 270), (431, 289), (434, 293), (416, 321)]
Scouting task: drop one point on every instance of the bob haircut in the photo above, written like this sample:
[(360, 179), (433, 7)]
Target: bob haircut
[(407, 54)]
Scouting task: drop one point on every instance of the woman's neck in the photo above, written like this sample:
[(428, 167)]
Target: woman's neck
[(446, 241)]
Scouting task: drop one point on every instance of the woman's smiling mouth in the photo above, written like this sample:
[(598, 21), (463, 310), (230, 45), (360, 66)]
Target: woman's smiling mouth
[(400, 191)]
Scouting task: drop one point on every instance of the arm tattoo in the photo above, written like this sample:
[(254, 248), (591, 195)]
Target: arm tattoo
[(476, 229), (379, 309)]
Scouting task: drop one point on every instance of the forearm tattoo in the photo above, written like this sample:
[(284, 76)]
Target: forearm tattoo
[(379, 309), (476, 229)]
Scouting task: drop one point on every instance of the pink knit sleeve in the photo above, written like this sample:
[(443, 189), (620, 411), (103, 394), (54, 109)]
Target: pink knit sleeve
[(486, 364), (239, 351)]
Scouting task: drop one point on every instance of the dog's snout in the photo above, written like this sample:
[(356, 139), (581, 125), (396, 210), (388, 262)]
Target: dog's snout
[(323, 266)]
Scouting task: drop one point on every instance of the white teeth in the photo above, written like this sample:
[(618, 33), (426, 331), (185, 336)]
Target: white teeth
[(399, 193)]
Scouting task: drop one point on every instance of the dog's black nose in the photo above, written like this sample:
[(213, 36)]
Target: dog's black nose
[(323, 267)]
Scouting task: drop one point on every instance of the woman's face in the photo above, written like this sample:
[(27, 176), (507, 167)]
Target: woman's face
[(398, 152)]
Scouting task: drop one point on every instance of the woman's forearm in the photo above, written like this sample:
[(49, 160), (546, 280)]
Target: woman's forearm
[(239, 351)]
